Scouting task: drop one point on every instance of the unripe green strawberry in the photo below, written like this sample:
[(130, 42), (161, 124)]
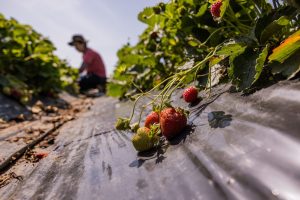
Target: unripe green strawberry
[(7, 91), (24, 100), (142, 140)]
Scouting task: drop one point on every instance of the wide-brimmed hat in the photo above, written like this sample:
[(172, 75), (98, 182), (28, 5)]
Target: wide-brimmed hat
[(77, 38)]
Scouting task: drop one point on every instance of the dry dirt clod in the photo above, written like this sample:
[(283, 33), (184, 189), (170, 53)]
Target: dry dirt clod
[(36, 109), (20, 117), (3, 124), (13, 139), (39, 103), (51, 109)]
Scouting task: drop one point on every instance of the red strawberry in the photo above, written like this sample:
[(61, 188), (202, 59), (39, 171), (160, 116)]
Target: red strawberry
[(152, 118), (215, 9), (41, 154), (190, 94), (172, 122), (16, 93)]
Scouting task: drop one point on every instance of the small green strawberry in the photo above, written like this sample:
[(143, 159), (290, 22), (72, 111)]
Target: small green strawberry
[(7, 90), (143, 140), (24, 100)]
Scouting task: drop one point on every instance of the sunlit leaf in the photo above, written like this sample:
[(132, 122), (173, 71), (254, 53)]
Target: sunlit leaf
[(231, 48), (223, 8), (289, 68), (286, 49), (202, 10)]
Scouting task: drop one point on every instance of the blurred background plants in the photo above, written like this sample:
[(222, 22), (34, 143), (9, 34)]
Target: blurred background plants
[(28, 65), (250, 44)]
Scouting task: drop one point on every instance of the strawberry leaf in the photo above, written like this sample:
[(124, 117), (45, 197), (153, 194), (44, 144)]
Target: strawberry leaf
[(224, 7), (273, 28), (231, 49), (286, 49), (242, 68), (260, 61), (289, 68)]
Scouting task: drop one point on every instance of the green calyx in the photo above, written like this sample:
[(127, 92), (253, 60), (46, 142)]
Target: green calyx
[(122, 124)]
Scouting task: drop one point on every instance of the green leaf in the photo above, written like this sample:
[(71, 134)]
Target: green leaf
[(224, 7), (202, 10), (242, 68), (115, 90), (148, 16), (286, 49), (269, 17), (231, 48), (215, 60), (193, 42), (273, 28), (260, 61), (289, 68)]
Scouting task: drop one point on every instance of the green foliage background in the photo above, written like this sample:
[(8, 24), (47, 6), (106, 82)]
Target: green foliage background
[(240, 41), (28, 65)]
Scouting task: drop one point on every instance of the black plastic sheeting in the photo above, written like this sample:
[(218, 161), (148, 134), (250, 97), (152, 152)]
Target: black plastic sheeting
[(10, 109), (236, 147)]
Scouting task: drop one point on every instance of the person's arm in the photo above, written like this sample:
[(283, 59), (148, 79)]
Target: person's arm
[(83, 67)]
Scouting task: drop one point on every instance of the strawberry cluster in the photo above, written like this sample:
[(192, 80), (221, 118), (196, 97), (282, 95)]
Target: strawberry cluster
[(168, 122)]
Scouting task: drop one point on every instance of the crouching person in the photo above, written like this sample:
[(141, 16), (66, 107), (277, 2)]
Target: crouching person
[(95, 77)]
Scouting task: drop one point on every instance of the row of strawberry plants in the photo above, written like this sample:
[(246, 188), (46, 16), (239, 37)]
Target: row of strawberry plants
[(250, 44), (28, 65), (241, 32)]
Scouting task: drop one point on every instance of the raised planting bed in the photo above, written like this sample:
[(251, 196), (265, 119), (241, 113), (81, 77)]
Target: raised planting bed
[(234, 147)]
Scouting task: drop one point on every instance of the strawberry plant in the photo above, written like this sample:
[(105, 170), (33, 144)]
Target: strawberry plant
[(184, 30), (28, 65), (247, 43)]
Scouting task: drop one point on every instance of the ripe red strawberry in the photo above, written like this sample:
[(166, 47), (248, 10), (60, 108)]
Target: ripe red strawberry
[(16, 93), (41, 154), (172, 122), (190, 94), (215, 9), (152, 118)]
